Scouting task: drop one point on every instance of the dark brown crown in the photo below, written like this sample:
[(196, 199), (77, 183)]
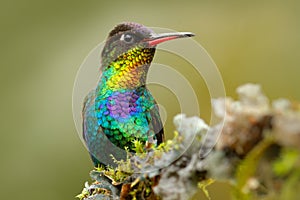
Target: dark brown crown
[(126, 26)]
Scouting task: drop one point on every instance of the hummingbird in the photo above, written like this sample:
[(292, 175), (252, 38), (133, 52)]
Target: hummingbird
[(121, 108)]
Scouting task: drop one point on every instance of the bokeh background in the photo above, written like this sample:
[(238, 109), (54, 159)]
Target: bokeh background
[(43, 44)]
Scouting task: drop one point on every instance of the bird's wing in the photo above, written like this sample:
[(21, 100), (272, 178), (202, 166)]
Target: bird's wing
[(88, 117), (157, 124)]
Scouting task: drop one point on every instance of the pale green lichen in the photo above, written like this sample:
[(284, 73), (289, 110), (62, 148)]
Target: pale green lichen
[(203, 186)]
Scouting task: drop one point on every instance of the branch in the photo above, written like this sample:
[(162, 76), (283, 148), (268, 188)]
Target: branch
[(254, 147)]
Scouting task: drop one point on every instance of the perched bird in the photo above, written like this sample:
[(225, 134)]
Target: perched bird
[(121, 109)]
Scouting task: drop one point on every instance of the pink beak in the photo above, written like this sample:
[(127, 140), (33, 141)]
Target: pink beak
[(159, 38)]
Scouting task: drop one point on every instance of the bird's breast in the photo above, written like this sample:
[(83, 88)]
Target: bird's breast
[(125, 112)]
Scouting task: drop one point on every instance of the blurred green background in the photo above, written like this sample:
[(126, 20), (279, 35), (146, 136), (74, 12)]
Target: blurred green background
[(43, 44)]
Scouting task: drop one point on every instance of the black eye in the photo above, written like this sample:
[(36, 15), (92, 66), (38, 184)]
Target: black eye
[(126, 37)]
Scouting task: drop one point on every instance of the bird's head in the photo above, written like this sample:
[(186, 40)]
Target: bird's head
[(129, 50)]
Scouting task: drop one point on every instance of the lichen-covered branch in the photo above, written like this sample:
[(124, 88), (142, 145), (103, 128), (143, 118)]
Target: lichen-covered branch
[(255, 147)]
